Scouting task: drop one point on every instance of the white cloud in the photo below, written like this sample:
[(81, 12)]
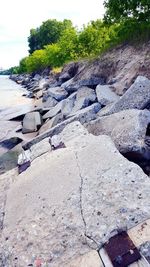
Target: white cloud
[(18, 17)]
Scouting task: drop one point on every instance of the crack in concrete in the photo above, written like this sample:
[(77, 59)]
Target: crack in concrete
[(81, 201)]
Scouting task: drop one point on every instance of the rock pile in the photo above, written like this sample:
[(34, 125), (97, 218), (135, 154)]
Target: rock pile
[(80, 186)]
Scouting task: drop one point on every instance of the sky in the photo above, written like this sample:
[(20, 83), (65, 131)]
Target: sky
[(17, 17)]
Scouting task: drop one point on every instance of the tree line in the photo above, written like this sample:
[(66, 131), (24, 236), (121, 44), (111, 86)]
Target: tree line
[(57, 42)]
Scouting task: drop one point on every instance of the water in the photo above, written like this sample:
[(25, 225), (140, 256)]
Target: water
[(11, 93), (11, 103)]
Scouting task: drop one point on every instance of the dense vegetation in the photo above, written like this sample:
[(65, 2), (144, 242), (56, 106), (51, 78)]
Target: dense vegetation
[(13, 70), (55, 43)]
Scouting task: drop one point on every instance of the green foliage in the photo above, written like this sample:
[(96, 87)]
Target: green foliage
[(23, 65), (117, 10), (48, 33), (36, 61), (95, 38), (53, 55), (12, 70), (55, 43), (68, 45)]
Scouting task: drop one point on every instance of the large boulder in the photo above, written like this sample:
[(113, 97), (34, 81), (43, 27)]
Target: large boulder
[(68, 104), (31, 122), (69, 71), (136, 97), (129, 131), (51, 123), (105, 95), (73, 200), (91, 81), (48, 101), (94, 108), (39, 149), (83, 116), (57, 93), (69, 133), (43, 83), (85, 97), (54, 111)]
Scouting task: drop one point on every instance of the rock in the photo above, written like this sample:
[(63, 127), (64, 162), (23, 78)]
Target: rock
[(34, 152), (91, 82), (36, 77), (69, 133), (83, 116), (69, 71), (24, 157), (137, 96), (68, 104), (64, 77), (57, 93), (56, 142), (54, 111), (105, 95), (51, 123), (67, 84), (31, 122), (23, 161), (85, 96), (89, 259), (43, 84), (39, 94), (49, 102), (39, 149), (96, 107), (127, 129), (99, 191), (67, 107)]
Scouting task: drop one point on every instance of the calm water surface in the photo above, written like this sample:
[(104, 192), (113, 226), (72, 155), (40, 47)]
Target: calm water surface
[(11, 93)]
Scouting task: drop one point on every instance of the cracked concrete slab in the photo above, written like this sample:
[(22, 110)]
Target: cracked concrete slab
[(71, 203)]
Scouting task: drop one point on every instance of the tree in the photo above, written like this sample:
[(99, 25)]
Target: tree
[(36, 61), (95, 38), (118, 10), (48, 33)]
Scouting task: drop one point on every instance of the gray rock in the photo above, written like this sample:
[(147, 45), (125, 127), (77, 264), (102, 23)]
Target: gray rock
[(31, 122), (58, 93), (127, 129), (95, 184), (23, 157), (43, 84), (64, 77), (36, 77), (51, 123), (67, 84), (69, 134), (110, 184), (39, 149), (67, 107), (85, 96), (83, 116), (68, 104), (105, 95), (54, 111), (137, 96), (94, 107), (91, 81), (49, 102)]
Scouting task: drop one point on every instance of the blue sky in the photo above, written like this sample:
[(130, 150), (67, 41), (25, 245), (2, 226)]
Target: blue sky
[(17, 17)]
